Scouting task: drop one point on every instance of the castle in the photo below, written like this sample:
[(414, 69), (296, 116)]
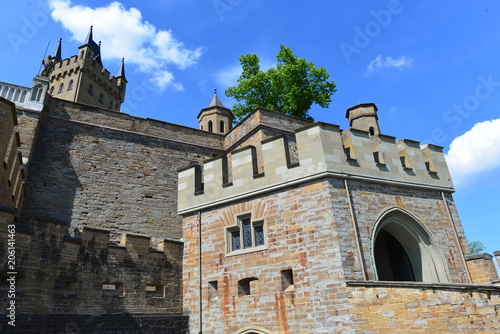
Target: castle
[(115, 223)]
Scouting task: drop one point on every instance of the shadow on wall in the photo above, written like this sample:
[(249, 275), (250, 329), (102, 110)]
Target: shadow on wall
[(52, 181)]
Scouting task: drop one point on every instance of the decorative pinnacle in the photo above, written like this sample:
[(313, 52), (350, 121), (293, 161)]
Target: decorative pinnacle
[(215, 91)]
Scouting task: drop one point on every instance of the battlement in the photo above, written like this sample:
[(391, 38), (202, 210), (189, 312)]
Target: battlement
[(75, 64), (136, 245), (324, 150), (88, 274)]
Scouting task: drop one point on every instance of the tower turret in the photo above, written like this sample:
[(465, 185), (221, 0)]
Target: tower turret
[(83, 79), (91, 48), (57, 53), (121, 80), (364, 117), (216, 118)]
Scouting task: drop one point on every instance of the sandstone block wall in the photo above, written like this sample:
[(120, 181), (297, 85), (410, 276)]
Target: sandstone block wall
[(298, 237), (308, 231), (417, 308), (482, 268)]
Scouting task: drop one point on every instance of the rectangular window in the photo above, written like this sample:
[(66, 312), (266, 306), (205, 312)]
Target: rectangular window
[(259, 233), (235, 240), (246, 235), (286, 279), (248, 286), (156, 291), (213, 289), (112, 289)]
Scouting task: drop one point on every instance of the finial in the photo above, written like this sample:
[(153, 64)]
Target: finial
[(99, 43), (91, 27), (215, 91)]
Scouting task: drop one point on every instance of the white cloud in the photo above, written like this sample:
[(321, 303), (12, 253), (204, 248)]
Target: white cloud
[(379, 63), (125, 34), (228, 76), (475, 151)]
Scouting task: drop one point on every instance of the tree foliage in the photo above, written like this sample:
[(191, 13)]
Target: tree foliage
[(476, 247), (292, 87)]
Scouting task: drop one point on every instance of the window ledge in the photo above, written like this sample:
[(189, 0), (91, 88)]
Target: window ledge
[(247, 250)]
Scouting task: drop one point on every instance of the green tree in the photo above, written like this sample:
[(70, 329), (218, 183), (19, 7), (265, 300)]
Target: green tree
[(476, 247), (292, 87)]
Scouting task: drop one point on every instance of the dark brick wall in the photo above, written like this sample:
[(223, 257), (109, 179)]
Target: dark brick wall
[(89, 324), (56, 274)]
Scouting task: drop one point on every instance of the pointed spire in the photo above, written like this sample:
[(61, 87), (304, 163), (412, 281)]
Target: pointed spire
[(57, 53), (215, 102), (121, 71), (89, 41)]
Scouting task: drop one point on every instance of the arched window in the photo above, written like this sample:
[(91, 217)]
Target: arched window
[(36, 93), (61, 88), (17, 94), (10, 94), (70, 86), (51, 91), (210, 126), (101, 98), (221, 126), (372, 131), (90, 90), (23, 96), (402, 250)]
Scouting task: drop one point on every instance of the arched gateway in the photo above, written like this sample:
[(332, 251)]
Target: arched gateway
[(403, 250)]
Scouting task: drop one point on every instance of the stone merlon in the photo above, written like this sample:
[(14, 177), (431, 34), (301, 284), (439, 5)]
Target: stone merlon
[(324, 150)]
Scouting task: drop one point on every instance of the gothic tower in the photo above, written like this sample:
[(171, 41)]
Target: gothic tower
[(82, 78)]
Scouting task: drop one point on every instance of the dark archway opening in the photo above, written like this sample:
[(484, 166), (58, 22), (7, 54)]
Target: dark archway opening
[(393, 263)]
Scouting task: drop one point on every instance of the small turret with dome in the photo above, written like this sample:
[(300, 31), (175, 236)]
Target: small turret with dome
[(216, 118)]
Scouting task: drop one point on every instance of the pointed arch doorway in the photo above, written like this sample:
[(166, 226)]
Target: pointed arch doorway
[(403, 250)]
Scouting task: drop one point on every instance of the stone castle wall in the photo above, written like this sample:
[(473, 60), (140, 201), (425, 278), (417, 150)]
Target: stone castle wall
[(423, 308), (11, 171), (308, 231), (312, 234), (57, 274), (109, 170), (86, 283)]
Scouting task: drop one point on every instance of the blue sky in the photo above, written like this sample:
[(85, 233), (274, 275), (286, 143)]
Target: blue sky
[(431, 67)]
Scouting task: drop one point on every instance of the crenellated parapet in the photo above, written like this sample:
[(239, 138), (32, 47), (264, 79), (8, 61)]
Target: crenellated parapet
[(88, 274), (324, 150)]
